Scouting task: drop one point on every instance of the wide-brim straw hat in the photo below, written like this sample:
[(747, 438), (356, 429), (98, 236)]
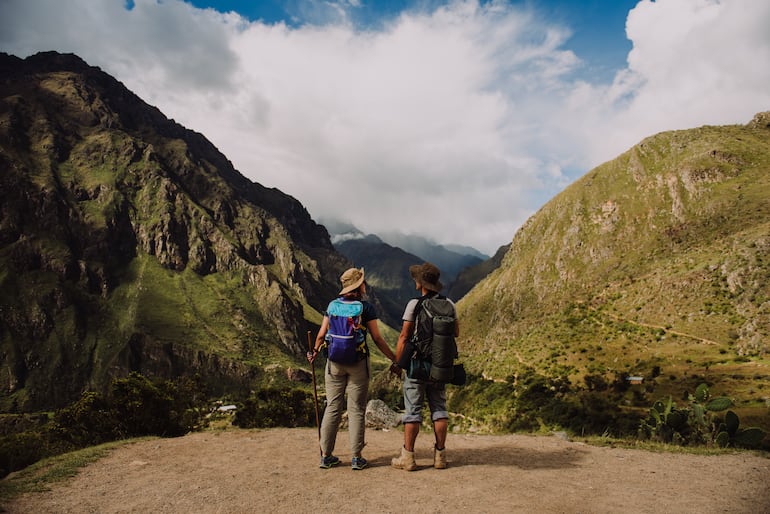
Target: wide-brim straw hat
[(427, 275), (351, 280)]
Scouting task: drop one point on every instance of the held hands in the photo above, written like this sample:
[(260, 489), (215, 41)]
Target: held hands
[(395, 369)]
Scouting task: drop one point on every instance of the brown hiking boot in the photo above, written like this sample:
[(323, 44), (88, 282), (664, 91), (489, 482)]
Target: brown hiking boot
[(439, 458), (404, 461)]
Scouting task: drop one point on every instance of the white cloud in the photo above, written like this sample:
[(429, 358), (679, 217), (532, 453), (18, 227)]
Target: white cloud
[(455, 123), (694, 62)]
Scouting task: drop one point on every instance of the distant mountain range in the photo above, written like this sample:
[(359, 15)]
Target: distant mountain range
[(387, 257), (387, 273), (450, 259)]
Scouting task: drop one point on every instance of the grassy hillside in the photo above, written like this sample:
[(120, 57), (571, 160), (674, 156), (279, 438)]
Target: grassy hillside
[(654, 264)]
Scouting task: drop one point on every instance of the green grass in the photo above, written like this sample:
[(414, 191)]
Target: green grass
[(652, 446), (216, 313)]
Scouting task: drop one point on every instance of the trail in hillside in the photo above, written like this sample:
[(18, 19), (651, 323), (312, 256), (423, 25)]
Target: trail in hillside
[(641, 278), (245, 471), (658, 327)]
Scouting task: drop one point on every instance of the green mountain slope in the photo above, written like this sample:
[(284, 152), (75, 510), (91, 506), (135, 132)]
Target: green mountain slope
[(654, 264), (129, 243)]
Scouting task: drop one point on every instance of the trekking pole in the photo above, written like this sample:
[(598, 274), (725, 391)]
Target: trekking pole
[(315, 391)]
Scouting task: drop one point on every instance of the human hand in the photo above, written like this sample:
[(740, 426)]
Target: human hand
[(311, 356), (395, 369)]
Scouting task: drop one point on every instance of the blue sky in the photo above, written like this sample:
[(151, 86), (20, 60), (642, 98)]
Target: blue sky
[(480, 110)]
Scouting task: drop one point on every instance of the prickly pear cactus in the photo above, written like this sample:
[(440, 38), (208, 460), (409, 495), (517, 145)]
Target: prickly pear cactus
[(699, 424), (719, 403), (676, 419), (722, 439), (701, 393), (749, 437)]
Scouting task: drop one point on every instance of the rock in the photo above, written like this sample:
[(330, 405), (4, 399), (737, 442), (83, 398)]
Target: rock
[(761, 120), (562, 435), (298, 375), (379, 416)]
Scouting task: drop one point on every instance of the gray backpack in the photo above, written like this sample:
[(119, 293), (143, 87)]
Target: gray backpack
[(434, 336)]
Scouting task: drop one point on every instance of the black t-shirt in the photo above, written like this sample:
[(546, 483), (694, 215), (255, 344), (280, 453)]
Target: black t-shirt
[(369, 314)]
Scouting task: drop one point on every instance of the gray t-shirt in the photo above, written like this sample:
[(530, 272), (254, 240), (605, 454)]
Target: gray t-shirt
[(409, 311)]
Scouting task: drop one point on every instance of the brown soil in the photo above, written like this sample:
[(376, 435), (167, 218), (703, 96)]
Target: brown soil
[(277, 471)]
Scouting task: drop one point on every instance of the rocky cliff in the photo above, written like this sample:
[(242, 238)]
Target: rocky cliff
[(128, 242)]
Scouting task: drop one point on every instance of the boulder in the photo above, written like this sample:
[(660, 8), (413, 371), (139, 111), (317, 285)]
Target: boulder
[(298, 375), (379, 416)]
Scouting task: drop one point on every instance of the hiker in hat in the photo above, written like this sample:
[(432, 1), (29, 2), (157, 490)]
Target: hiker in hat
[(416, 390), (343, 335)]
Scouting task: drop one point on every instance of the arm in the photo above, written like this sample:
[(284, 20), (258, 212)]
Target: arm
[(319, 340), (407, 329)]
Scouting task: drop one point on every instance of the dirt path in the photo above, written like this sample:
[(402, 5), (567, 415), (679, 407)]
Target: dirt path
[(244, 471)]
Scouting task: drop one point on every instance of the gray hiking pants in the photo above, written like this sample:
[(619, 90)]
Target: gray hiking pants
[(340, 379)]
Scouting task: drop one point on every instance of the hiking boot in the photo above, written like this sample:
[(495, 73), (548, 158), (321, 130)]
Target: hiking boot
[(404, 461), (358, 463), (439, 458), (328, 462)]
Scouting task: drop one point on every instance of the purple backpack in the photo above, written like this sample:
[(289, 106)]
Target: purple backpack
[(346, 338)]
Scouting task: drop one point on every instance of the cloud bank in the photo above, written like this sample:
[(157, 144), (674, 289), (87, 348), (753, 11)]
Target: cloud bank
[(455, 122)]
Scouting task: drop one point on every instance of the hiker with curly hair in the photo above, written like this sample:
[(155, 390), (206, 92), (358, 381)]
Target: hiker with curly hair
[(343, 335), (419, 387)]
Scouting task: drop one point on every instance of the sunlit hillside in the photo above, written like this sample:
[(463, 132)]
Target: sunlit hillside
[(655, 264)]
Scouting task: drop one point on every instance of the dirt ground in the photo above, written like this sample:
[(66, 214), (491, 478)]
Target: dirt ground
[(243, 471)]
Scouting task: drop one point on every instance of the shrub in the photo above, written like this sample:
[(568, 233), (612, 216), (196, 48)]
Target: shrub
[(88, 421), (18, 451), (273, 407), (135, 406), (163, 408)]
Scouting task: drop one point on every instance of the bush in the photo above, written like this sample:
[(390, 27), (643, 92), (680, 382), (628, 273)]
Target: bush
[(135, 406), (164, 408), (89, 421), (272, 407), (596, 414), (17, 451), (484, 400), (537, 402)]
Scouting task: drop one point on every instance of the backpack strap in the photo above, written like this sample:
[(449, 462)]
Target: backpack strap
[(419, 305), (415, 334)]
